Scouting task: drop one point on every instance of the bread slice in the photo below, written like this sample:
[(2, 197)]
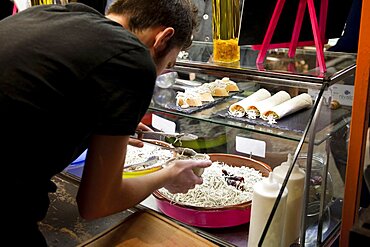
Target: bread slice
[(230, 85), (218, 88), (204, 93), (220, 92), (188, 99)]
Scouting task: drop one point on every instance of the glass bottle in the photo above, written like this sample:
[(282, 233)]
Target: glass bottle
[(225, 23)]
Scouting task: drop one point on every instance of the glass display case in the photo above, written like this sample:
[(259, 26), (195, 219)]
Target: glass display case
[(314, 136)]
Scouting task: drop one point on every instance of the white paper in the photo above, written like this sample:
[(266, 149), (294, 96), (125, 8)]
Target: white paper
[(250, 146), (327, 95), (163, 124), (343, 94)]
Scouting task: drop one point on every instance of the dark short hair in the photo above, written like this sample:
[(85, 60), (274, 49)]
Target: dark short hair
[(179, 14)]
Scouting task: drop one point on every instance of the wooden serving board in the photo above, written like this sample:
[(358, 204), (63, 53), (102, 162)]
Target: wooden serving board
[(147, 228)]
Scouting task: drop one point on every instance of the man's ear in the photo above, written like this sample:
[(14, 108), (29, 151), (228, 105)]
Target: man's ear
[(162, 38)]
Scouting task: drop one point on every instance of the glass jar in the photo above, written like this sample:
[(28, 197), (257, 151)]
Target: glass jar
[(315, 191), (317, 174), (225, 23)]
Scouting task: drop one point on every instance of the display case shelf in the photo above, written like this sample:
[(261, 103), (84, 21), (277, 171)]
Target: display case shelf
[(212, 115)]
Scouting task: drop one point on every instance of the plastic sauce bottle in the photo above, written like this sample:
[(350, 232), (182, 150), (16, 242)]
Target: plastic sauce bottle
[(295, 187), (264, 196)]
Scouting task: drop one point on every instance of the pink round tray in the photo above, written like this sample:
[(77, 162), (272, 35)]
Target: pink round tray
[(214, 217)]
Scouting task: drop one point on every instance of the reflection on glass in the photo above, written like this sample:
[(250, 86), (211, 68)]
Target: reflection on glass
[(166, 80), (162, 96), (41, 2), (45, 2), (313, 220), (304, 63)]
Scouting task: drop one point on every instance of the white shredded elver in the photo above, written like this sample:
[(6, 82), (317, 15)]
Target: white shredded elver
[(252, 114), (237, 113), (271, 119), (136, 155), (215, 191)]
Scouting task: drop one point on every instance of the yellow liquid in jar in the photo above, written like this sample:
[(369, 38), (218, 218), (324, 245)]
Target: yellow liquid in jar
[(226, 51), (225, 22)]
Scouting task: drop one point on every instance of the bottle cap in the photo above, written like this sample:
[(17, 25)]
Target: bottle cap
[(289, 161), (270, 184)]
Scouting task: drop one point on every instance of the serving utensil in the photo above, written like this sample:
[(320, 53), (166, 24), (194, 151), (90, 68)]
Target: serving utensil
[(147, 163), (180, 150), (155, 159), (179, 136)]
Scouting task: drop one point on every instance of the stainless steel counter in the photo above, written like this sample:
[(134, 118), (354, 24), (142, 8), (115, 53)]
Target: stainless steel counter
[(63, 226)]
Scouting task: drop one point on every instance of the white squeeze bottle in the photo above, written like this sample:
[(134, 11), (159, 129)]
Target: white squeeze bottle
[(264, 196), (295, 187)]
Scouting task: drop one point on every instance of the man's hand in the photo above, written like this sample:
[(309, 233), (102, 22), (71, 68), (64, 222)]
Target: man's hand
[(137, 142), (183, 176)]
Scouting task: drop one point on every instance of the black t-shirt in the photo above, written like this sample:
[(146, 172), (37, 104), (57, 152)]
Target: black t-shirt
[(66, 72), (6, 8)]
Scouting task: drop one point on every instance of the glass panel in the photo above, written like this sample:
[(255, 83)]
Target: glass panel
[(277, 63)]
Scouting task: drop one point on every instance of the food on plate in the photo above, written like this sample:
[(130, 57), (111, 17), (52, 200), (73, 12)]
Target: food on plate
[(135, 155), (334, 104), (218, 88), (230, 85), (222, 87), (199, 156), (239, 108), (223, 185), (204, 93), (259, 108), (187, 99), (295, 104)]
